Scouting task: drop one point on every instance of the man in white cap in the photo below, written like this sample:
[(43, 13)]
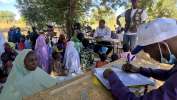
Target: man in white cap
[(160, 43)]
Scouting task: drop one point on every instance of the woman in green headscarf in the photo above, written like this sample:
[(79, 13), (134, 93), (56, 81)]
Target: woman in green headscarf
[(25, 78)]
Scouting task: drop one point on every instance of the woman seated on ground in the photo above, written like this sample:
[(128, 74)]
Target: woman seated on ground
[(72, 59), (6, 68), (61, 45), (26, 78), (86, 53), (9, 53), (57, 66), (62, 42), (7, 58)]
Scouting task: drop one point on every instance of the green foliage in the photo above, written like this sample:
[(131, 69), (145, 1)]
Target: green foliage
[(163, 8), (102, 13), (160, 8), (61, 12), (65, 12)]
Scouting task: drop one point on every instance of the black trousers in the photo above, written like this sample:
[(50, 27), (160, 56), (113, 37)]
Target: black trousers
[(3, 76), (101, 44)]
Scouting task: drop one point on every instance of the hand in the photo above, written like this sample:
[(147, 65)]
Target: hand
[(130, 68), (118, 21), (107, 73), (9, 64)]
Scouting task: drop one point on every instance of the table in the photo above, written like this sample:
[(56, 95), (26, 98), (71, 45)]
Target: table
[(85, 87), (114, 42), (107, 39)]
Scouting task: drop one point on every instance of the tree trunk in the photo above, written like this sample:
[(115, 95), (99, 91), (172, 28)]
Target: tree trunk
[(70, 17)]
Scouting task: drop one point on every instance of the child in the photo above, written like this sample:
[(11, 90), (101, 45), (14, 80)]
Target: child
[(103, 61), (57, 66), (27, 43), (21, 44), (61, 45)]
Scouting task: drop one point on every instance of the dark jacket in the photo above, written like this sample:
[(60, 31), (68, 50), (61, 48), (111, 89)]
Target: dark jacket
[(168, 91)]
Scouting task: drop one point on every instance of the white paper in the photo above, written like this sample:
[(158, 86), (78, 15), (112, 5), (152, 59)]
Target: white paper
[(128, 79)]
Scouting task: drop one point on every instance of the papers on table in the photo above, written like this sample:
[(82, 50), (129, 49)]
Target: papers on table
[(128, 79), (105, 39)]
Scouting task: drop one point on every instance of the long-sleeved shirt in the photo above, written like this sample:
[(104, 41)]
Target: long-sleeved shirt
[(103, 32), (168, 91)]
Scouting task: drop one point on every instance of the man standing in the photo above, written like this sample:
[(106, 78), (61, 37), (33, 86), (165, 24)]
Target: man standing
[(103, 32), (18, 34), (133, 18), (33, 37), (11, 34)]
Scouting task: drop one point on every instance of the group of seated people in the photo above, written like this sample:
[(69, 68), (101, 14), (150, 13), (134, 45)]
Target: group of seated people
[(53, 57), (61, 59), (31, 70), (66, 57)]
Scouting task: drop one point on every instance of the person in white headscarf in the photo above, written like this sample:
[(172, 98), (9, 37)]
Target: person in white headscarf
[(72, 59), (25, 78)]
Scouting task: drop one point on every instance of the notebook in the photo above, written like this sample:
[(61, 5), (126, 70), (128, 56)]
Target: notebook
[(128, 79)]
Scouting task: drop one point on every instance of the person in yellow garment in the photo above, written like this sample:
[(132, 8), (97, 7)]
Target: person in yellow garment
[(26, 78)]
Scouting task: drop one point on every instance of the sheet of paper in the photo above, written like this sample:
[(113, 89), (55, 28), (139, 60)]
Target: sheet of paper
[(128, 79)]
